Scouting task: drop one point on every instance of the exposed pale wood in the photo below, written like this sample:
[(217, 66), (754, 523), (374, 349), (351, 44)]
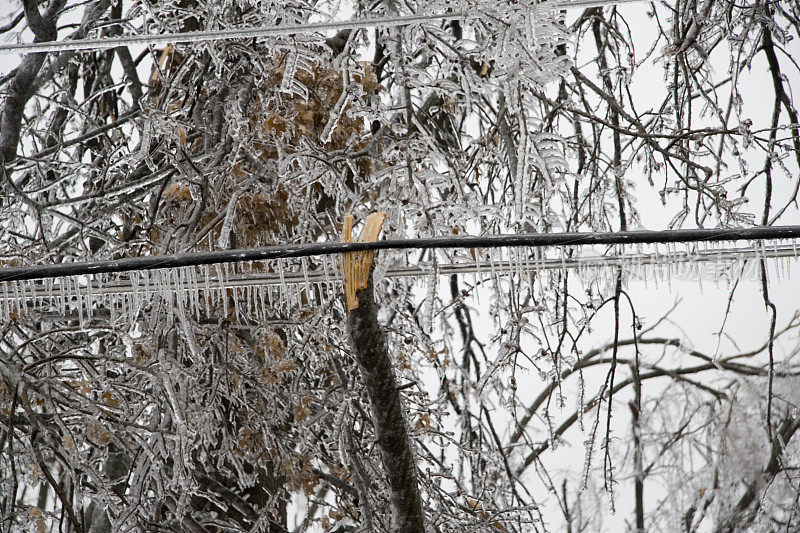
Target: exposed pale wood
[(356, 265)]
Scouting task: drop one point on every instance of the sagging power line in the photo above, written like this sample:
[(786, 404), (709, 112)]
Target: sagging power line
[(758, 233)]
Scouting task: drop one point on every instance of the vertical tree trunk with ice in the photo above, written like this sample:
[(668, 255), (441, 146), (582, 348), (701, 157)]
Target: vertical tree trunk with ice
[(368, 342)]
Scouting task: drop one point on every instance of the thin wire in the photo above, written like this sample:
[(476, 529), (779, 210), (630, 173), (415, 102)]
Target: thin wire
[(635, 260), (221, 34), (104, 43), (334, 248)]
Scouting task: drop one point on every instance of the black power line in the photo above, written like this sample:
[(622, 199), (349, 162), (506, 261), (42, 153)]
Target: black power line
[(333, 248)]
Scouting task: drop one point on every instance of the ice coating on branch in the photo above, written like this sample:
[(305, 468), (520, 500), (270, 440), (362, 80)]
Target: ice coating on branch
[(230, 213), (336, 113), (295, 61), (523, 37), (548, 153)]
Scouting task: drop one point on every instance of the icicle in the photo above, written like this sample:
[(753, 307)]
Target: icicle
[(122, 302), (519, 266), (61, 297), (641, 263), (145, 275), (716, 268), (162, 281), (495, 276), (113, 304), (697, 267), (112, 308), (284, 289), (261, 295), (142, 296), (78, 291), (288, 301), (270, 308), (89, 298), (109, 293), (250, 303), (194, 291), (179, 289), (102, 295), (304, 267), (237, 312), (23, 290), (133, 277), (33, 296), (784, 263), (171, 293), (274, 303), (298, 295), (6, 303), (13, 303), (221, 287), (129, 305), (478, 259), (159, 279), (430, 296), (262, 302), (79, 300), (776, 262), (684, 258), (206, 273), (631, 262), (188, 289), (116, 308), (655, 264)]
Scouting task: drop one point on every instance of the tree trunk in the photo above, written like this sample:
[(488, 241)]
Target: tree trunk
[(368, 342)]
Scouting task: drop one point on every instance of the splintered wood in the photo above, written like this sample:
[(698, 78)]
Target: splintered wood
[(356, 265)]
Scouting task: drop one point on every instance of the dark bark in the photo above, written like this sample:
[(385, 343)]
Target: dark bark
[(21, 87), (368, 342)]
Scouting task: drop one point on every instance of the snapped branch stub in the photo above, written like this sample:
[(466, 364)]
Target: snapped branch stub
[(356, 265)]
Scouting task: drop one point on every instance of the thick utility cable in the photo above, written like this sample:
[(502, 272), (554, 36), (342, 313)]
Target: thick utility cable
[(334, 248), (104, 43), (634, 261)]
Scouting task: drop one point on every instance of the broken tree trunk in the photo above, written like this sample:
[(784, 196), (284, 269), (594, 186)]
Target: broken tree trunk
[(368, 342)]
